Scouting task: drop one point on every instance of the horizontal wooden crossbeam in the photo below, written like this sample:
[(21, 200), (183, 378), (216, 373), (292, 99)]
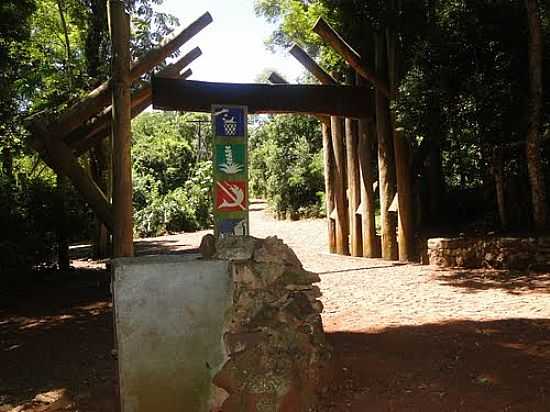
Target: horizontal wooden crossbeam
[(196, 96)]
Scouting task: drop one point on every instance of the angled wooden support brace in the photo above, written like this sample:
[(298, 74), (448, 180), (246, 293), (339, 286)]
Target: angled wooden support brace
[(60, 157), (327, 33), (96, 100)]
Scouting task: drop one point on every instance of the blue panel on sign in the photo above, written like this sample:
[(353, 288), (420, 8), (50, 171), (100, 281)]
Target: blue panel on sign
[(236, 227), (229, 122)]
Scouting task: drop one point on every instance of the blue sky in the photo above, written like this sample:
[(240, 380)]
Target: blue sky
[(233, 44)]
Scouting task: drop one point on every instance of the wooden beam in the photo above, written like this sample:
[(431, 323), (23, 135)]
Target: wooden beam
[(195, 96), (312, 66), (84, 145), (103, 121), (327, 33), (96, 100), (173, 70), (275, 78), (119, 25), (60, 157)]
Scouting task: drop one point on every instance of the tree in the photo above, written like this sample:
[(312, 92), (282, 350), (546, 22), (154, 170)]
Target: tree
[(534, 162)]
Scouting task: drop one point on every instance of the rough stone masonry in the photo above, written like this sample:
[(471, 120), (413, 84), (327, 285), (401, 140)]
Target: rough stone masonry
[(276, 352)]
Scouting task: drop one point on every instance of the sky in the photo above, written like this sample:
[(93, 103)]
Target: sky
[(232, 45)]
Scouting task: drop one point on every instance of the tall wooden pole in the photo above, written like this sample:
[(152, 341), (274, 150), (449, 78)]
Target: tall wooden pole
[(332, 147), (404, 182), (386, 169), (342, 216), (354, 187), (533, 150), (367, 135), (328, 159), (119, 24)]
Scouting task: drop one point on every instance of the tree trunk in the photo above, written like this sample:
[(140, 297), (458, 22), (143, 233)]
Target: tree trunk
[(119, 23), (386, 167), (329, 183), (534, 162), (498, 172), (7, 163), (63, 260), (101, 165)]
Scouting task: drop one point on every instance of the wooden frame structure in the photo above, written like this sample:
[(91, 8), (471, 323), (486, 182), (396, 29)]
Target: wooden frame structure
[(354, 118), (61, 139)]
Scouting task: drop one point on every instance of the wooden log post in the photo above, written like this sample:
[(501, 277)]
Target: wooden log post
[(340, 186), (119, 25), (386, 166), (328, 34), (100, 165), (367, 137), (334, 172), (328, 163), (404, 198), (99, 98), (354, 187)]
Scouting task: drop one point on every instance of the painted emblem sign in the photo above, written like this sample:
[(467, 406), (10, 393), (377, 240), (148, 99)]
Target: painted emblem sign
[(230, 170), (231, 196), (235, 227), (229, 121), (230, 158)]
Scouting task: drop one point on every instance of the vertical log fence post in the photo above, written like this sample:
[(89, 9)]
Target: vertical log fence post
[(119, 24), (404, 199)]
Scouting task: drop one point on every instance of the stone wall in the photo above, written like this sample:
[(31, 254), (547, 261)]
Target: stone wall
[(493, 252), (273, 336)]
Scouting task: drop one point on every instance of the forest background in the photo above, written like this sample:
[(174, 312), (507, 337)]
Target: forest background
[(463, 102)]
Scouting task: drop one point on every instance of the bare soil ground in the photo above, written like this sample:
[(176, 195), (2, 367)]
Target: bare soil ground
[(405, 337)]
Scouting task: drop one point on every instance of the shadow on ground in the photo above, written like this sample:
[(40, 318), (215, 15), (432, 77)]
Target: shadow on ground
[(513, 282), (58, 333), (460, 366)]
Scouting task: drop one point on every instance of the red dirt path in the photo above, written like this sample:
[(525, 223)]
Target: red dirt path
[(405, 337)]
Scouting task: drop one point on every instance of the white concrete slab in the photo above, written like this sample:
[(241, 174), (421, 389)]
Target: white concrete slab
[(169, 314)]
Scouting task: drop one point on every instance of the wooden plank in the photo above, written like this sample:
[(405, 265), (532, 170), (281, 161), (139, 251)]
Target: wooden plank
[(96, 100), (119, 22), (327, 33), (196, 96)]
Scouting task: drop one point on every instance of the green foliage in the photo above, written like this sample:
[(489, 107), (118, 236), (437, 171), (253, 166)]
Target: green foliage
[(172, 190), (286, 164), (29, 220)]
